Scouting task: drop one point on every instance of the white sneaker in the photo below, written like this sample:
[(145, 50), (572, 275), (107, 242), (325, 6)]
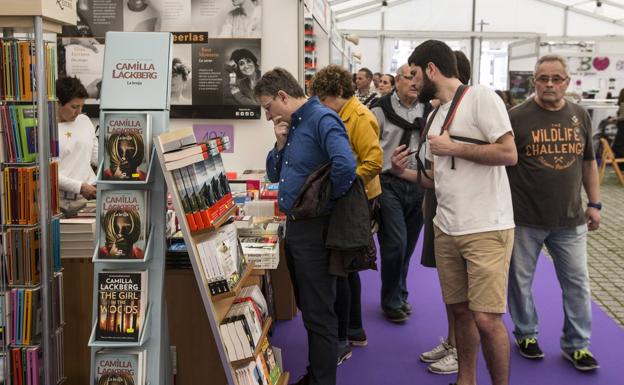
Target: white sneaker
[(437, 353), (446, 365)]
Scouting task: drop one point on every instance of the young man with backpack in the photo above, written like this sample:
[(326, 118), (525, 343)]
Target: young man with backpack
[(474, 218)]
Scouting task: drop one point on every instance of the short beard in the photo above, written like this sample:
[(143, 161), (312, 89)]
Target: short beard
[(429, 90)]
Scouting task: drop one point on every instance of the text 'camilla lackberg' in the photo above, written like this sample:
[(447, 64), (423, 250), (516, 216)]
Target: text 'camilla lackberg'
[(137, 70)]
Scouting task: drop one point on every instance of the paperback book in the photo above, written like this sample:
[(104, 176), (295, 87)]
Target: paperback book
[(122, 305), (120, 366), (128, 144), (123, 226)]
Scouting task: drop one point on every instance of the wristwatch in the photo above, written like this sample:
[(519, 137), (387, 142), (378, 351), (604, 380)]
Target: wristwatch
[(597, 205)]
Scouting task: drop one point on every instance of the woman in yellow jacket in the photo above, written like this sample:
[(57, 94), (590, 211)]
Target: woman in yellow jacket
[(334, 87)]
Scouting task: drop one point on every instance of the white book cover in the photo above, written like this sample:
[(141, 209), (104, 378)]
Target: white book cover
[(137, 70)]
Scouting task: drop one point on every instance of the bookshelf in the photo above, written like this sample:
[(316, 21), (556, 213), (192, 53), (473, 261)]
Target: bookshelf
[(25, 349), (218, 305), (145, 103)]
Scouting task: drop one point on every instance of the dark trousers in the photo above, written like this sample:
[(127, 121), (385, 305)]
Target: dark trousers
[(348, 305), (315, 293), (400, 221)]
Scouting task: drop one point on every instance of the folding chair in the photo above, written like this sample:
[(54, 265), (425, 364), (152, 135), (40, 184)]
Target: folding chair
[(608, 157)]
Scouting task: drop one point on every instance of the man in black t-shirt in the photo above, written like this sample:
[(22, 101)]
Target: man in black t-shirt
[(555, 159)]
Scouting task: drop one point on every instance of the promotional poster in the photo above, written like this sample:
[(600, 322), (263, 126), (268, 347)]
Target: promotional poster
[(215, 59)]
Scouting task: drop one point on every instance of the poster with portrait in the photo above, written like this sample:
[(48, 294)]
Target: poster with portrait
[(215, 55)]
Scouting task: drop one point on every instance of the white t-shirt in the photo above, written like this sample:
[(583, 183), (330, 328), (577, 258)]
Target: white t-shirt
[(472, 198), (78, 150)]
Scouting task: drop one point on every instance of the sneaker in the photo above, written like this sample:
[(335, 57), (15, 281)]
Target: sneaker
[(358, 339), (528, 348), (446, 365), (437, 353), (344, 353), (582, 359), (396, 315), (407, 308)]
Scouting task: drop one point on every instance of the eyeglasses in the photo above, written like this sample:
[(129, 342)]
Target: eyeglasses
[(407, 77), (554, 79), (267, 106)]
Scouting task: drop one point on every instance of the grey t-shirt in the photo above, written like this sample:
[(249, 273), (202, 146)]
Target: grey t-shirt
[(546, 183)]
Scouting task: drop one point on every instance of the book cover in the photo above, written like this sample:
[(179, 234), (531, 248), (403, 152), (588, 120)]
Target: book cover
[(123, 226), (27, 127), (128, 145), (119, 366), (122, 303)]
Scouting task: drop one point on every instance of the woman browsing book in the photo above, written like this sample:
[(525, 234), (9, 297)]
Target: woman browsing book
[(78, 147)]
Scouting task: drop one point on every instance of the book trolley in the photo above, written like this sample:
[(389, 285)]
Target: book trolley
[(216, 304), (136, 84), (31, 319)]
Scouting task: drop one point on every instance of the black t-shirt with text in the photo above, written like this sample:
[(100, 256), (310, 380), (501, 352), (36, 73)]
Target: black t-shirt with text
[(547, 181)]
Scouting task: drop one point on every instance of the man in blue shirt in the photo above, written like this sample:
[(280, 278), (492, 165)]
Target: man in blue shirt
[(309, 135)]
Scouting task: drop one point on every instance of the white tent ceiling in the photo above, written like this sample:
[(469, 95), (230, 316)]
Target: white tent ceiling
[(611, 11)]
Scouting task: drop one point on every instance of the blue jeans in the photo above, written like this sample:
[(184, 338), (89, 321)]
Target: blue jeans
[(568, 248), (400, 221)]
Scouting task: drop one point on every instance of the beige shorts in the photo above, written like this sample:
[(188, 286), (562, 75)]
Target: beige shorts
[(474, 268)]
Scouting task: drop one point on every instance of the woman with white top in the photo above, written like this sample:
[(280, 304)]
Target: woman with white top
[(78, 147)]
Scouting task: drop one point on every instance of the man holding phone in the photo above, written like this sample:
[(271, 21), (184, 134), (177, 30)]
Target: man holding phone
[(308, 136), (401, 118)]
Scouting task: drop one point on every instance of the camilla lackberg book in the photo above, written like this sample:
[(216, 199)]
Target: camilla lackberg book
[(128, 145), (120, 366), (123, 224), (122, 303)]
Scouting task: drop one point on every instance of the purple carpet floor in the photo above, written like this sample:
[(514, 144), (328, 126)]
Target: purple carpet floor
[(391, 357)]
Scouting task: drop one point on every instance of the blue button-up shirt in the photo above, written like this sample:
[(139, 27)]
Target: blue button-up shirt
[(316, 136)]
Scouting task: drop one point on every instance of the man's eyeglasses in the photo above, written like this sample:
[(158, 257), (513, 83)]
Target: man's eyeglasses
[(267, 106), (407, 77), (553, 79)]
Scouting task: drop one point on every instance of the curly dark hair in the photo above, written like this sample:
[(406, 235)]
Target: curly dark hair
[(332, 80), (244, 53), (438, 53), (69, 88)]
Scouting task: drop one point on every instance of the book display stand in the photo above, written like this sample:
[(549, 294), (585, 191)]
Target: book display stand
[(217, 305), (129, 308), (31, 321)]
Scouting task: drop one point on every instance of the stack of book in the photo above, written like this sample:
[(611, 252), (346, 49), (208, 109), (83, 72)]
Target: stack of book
[(259, 239), (120, 366), (77, 237), (199, 176), (220, 260)]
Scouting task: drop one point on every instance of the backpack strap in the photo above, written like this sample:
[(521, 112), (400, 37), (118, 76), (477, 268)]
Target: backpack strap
[(459, 94)]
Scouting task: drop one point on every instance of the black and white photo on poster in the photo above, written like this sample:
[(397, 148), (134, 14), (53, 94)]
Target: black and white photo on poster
[(224, 73), (220, 18), (181, 84), (82, 58)]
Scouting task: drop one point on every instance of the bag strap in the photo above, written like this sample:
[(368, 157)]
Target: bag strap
[(459, 94)]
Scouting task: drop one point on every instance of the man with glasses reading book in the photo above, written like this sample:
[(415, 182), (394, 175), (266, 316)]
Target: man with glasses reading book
[(308, 137), (556, 159)]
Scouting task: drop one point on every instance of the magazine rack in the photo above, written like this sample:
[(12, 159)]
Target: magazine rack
[(34, 17), (216, 306), (154, 336)]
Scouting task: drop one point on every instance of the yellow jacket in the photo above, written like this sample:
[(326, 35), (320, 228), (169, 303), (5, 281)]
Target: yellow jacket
[(363, 133)]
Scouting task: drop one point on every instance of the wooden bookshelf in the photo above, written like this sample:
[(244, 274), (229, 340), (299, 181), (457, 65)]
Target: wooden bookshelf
[(236, 289), (19, 14), (283, 380), (265, 332)]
